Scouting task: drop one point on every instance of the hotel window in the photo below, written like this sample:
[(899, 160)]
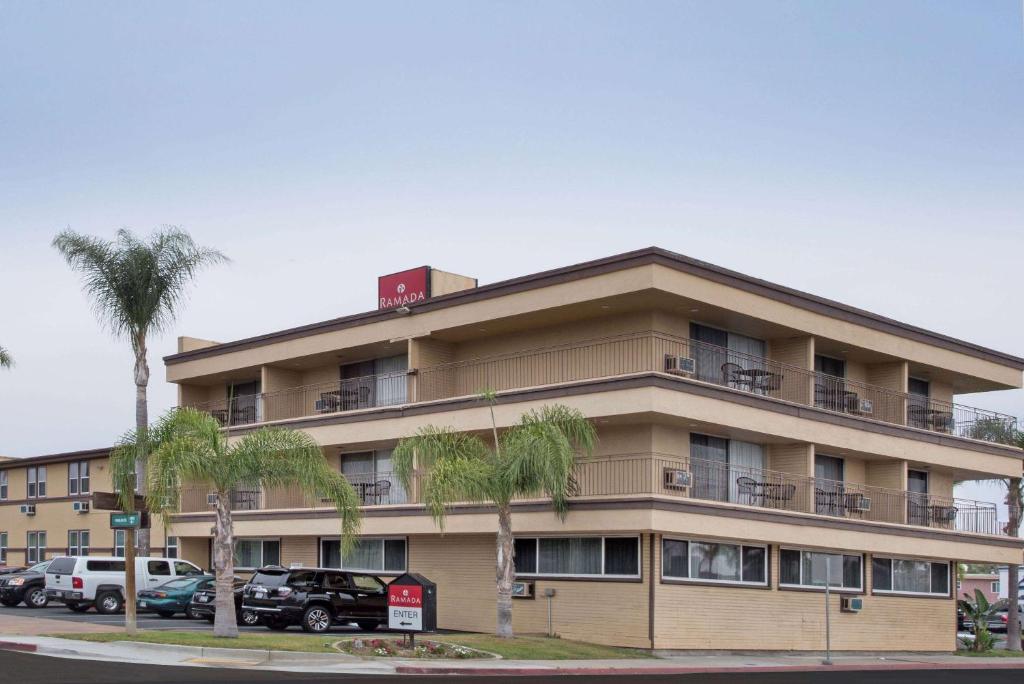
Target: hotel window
[(378, 382), (372, 475), (78, 542), (718, 351), (906, 576), (617, 557), (119, 542), (3, 485), (78, 478), (36, 482), (35, 551), (257, 553), (810, 568), (719, 464), (171, 547), (3, 548), (371, 555), (704, 561)]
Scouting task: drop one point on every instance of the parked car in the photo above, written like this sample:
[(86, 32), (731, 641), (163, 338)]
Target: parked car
[(28, 586), (85, 581), (9, 569), (997, 622), (204, 606), (316, 598), (173, 596)]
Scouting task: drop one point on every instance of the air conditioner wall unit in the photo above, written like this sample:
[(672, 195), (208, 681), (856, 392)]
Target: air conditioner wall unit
[(80, 506), (677, 478), (863, 504), (867, 406), (28, 509), (680, 365), (211, 499)]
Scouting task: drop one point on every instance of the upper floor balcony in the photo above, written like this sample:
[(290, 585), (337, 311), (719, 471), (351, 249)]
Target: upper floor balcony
[(625, 355), (665, 476)]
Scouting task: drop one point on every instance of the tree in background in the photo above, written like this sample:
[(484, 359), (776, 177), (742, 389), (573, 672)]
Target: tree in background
[(190, 446), (536, 457), (137, 288), (6, 360)]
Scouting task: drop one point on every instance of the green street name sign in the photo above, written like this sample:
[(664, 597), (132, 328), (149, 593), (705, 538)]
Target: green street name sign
[(125, 520)]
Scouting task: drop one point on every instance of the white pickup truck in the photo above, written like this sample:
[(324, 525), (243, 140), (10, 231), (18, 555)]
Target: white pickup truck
[(85, 581)]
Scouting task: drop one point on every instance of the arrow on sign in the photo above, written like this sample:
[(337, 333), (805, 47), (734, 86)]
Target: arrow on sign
[(405, 624)]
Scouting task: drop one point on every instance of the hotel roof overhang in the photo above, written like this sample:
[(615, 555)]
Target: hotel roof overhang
[(65, 457), (656, 275)]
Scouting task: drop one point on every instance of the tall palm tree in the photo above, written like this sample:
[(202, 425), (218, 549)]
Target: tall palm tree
[(137, 288), (6, 360), (536, 457), (190, 446)]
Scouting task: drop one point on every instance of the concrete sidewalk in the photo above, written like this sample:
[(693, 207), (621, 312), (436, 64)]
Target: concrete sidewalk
[(666, 663)]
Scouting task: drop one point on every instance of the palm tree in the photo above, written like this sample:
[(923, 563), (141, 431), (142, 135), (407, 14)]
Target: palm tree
[(136, 289), (190, 446), (535, 457), (6, 360)]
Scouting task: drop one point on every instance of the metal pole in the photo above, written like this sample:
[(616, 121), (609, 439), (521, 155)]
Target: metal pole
[(828, 626)]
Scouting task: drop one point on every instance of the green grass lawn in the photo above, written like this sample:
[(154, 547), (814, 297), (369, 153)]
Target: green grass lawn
[(994, 653), (519, 648)]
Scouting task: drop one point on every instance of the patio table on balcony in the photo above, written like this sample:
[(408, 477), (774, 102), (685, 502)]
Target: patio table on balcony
[(758, 380), (930, 419), (765, 493)]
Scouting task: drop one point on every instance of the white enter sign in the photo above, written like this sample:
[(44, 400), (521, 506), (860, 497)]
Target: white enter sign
[(405, 618)]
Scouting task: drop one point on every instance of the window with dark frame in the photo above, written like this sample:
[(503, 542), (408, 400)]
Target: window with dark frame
[(382, 554), (909, 576), (36, 482), (35, 550), (78, 542), (617, 557), (3, 548), (171, 547), (3, 485), (809, 569), (78, 478), (704, 561)]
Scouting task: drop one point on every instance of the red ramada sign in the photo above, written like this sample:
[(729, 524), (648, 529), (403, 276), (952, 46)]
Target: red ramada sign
[(405, 608), (405, 596), (403, 288)]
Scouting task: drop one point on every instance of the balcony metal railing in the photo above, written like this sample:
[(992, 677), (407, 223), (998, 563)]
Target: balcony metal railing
[(661, 475), (644, 352)]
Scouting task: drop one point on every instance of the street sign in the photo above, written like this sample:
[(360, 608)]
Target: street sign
[(412, 604), (120, 521)]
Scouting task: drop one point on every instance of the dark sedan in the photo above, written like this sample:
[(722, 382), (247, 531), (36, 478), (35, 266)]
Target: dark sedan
[(28, 586), (204, 606)]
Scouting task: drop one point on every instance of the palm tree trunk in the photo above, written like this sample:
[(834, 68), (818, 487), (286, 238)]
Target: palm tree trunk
[(224, 622), (505, 571), (1013, 501), (141, 424)]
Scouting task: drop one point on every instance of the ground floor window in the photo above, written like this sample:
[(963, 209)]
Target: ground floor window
[(171, 547), (36, 548), (810, 569), (119, 538), (907, 576), (578, 556), (78, 542), (3, 548), (369, 554), (251, 554), (706, 561)]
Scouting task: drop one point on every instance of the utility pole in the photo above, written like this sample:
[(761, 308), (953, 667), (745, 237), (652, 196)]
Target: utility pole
[(828, 597)]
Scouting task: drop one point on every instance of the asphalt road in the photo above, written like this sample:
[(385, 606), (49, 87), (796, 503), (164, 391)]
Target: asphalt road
[(26, 668), (149, 621)]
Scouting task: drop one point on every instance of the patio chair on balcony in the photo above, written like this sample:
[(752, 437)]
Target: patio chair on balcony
[(944, 516), (748, 490), (382, 491), (329, 402), (942, 421), (732, 377)]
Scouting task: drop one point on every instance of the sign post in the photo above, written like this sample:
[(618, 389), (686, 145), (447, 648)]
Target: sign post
[(129, 521), (412, 605)]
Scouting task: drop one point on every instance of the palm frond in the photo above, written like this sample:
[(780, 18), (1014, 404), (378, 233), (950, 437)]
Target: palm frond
[(456, 467), (6, 360), (186, 446), (274, 457), (136, 286)]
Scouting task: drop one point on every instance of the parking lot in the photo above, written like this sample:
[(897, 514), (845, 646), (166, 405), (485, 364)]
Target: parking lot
[(58, 613)]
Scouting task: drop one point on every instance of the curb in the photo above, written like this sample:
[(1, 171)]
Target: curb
[(541, 671), (17, 646)]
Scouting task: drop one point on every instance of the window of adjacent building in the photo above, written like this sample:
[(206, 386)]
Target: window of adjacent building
[(578, 556), (78, 478), (78, 542), (706, 561), (257, 553), (799, 568), (3, 485), (35, 548), (36, 482), (908, 576), (371, 474), (717, 464), (3, 548), (995, 587), (171, 547), (119, 538), (372, 555)]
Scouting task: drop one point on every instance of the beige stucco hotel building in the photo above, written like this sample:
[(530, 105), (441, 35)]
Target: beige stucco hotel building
[(753, 439)]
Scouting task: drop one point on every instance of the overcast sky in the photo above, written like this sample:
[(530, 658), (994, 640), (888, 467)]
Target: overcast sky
[(867, 152)]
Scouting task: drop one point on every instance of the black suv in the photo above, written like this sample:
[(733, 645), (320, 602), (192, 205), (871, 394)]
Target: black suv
[(28, 586), (316, 598)]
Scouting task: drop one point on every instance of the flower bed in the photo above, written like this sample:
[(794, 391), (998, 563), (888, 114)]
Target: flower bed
[(399, 648)]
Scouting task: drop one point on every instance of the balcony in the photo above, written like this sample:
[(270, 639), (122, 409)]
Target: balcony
[(645, 476), (636, 353)]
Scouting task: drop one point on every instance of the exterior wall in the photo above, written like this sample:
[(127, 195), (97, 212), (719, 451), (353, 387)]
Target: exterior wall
[(889, 474), (793, 351), (971, 582), (196, 550), (300, 551), (443, 282), (797, 459), (889, 375)]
